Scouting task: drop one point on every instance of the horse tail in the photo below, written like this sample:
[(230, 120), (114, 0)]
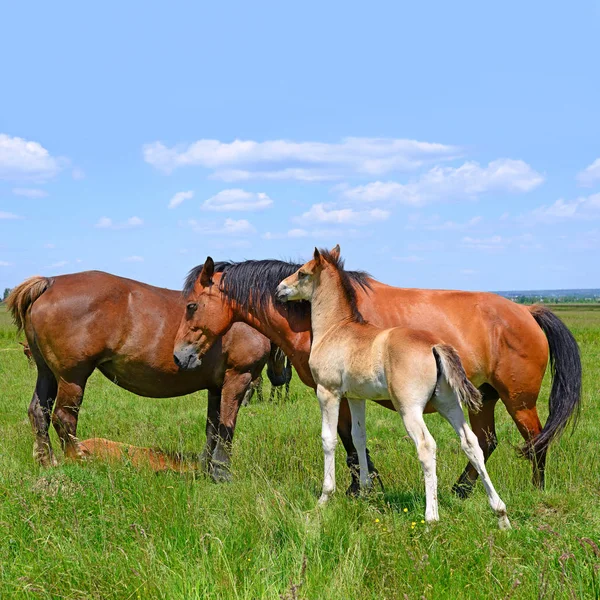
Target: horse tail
[(23, 296), (451, 368), (277, 377), (565, 365)]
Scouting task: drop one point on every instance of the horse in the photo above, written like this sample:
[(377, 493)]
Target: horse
[(504, 347), (125, 329), (354, 359)]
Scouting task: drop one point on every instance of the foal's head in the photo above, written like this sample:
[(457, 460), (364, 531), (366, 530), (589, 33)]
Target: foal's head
[(208, 315), (302, 284)]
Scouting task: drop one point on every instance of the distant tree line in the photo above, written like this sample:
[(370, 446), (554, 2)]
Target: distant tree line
[(554, 299), (6, 293)]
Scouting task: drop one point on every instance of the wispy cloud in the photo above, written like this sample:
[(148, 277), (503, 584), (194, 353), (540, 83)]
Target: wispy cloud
[(584, 207), (321, 213), (590, 175), (444, 183), (179, 197), (108, 223), (408, 259), (3, 263), (231, 227), (30, 192), (8, 215), (435, 223), (304, 233), (24, 160), (237, 199), (59, 264), (134, 259), (305, 161)]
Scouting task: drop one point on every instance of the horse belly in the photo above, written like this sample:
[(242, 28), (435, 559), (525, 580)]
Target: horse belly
[(372, 387)]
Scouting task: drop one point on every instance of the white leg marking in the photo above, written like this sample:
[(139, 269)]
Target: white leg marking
[(359, 438), (448, 406), (330, 410), (426, 447)]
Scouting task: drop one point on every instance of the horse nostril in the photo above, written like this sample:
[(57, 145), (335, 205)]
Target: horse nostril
[(177, 361)]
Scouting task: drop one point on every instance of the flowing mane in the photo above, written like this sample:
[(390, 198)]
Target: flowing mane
[(346, 280), (252, 283)]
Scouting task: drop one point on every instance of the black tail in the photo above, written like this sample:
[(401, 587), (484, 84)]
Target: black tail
[(565, 365), (279, 369)]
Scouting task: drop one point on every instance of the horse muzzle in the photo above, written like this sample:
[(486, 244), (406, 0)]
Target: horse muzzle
[(187, 358)]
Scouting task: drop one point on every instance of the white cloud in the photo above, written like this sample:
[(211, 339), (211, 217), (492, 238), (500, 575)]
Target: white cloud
[(30, 192), (304, 233), (590, 175), (78, 174), (26, 161), (49, 246), (133, 259), (3, 263), (320, 213), (232, 227), (179, 197), (236, 199), (408, 259), (584, 207), (60, 263), (435, 223), (495, 242), (468, 272), (108, 223), (7, 215), (442, 183), (305, 161)]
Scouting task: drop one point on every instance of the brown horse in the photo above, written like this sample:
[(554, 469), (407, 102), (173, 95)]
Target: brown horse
[(504, 347), (125, 329)]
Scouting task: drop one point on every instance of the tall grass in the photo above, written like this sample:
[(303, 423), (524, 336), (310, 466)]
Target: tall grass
[(113, 531)]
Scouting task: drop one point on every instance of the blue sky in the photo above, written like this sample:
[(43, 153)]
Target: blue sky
[(451, 145)]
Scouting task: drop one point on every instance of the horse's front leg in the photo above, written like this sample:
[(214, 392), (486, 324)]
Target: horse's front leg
[(359, 437), (330, 408)]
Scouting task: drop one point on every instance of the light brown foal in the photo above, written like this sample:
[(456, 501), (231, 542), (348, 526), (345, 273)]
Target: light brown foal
[(354, 359)]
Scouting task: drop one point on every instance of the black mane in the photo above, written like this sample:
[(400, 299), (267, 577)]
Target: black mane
[(252, 283)]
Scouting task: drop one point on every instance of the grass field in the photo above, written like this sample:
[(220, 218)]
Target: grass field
[(107, 532)]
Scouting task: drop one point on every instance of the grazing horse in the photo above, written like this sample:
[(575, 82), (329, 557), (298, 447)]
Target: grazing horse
[(503, 346), (279, 370), (353, 359), (124, 328)]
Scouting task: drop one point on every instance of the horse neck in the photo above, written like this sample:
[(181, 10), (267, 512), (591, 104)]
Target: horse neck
[(291, 334), (329, 305)]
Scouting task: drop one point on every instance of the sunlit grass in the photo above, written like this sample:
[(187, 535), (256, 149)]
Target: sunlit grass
[(111, 531)]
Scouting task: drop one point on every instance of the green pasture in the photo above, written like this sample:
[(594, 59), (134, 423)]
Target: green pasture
[(98, 531)]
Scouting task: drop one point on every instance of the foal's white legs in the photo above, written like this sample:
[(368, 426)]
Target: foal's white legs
[(330, 409), (426, 447), (447, 405), (359, 438)]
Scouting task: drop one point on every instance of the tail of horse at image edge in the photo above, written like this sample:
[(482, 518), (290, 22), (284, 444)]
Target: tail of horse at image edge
[(565, 366), (23, 296)]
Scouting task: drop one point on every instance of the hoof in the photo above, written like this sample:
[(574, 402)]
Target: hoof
[(221, 475), (504, 523)]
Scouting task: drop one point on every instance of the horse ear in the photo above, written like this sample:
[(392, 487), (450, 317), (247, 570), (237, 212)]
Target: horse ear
[(317, 256), (207, 272), (335, 253)]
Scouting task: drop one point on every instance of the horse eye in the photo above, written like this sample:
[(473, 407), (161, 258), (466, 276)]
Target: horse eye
[(192, 306), (302, 275)]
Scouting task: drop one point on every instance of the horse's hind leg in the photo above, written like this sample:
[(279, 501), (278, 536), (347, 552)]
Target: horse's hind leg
[(40, 412), (448, 406), (426, 450), (66, 413), (484, 427)]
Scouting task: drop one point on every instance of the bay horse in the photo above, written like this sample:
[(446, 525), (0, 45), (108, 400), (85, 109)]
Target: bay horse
[(77, 323), (352, 358), (504, 347)]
